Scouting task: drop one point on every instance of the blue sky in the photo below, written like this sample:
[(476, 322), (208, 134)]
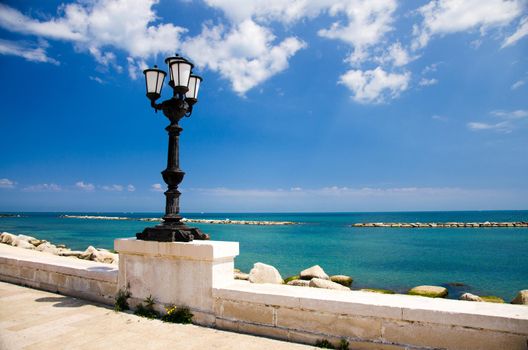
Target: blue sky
[(305, 106)]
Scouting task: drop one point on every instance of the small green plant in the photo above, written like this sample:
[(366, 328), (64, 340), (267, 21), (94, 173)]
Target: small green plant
[(291, 278), (121, 300), (324, 343), (177, 314), (343, 344), (147, 310), (492, 299), (377, 290)]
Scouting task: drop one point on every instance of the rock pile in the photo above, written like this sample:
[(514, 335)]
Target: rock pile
[(238, 222), (40, 245), (441, 224), (311, 277)]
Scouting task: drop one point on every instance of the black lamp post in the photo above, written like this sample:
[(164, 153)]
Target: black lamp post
[(185, 87)]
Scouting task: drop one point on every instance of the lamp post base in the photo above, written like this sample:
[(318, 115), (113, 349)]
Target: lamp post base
[(167, 232)]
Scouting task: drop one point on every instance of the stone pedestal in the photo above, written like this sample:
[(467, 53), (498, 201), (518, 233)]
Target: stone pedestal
[(179, 273)]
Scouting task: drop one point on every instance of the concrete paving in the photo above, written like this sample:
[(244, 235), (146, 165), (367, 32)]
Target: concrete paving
[(33, 319)]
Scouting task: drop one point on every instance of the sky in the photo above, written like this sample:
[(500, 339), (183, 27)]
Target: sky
[(328, 105)]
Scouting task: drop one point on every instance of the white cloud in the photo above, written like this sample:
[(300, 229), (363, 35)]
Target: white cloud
[(517, 114), (373, 86), (366, 25), (60, 28), (520, 33), (157, 188), (442, 17), (503, 127), (427, 82), (113, 188), (43, 188), (84, 186), (397, 55), (30, 52), (440, 118), (245, 55), (285, 11), (511, 120), (6, 183), (517, 84), (95, 25), (433, 67), (131, 188), (96, 79)]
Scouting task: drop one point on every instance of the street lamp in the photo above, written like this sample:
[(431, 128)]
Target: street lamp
[(185, 87)]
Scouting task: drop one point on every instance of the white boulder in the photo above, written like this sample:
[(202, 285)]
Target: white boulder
[(521, 298), (22, 243), (313, 272), (48, 248), (321, 283), (470, 297), (7, 237), (263, 273), (103, 256), (299, 283)]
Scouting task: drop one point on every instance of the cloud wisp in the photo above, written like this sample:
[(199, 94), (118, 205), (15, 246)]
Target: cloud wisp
[(157, 188), (510, 120), (28, 51), (81, 185), (43, 188), (6, 183), (337, 198)]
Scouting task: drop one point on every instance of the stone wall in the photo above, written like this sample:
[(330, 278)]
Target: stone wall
[(369, 320), (69, 276)]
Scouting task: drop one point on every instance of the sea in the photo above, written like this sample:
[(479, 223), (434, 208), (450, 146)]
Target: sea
[(483, 261)]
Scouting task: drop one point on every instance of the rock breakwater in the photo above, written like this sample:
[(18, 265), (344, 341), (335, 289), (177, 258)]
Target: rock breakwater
[(442, 224), (200, 221)]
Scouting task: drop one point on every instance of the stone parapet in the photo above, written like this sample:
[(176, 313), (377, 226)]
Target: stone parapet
[(369, 320), (69, 276)]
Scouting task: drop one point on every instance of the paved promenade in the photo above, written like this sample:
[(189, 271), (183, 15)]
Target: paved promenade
[(33, 319)]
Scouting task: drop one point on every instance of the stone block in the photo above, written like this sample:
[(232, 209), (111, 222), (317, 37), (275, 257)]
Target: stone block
[(245, 312), (57, 279), (27, 273), (42, 276), (263, 330), (450, 337), (497, 317), (329, 323), (227, 325)]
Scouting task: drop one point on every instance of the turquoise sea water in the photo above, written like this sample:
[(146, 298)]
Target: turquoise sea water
[(489, 261)]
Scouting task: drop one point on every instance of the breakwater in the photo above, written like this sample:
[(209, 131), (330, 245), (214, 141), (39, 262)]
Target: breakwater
[(200, 221), (441, 224)]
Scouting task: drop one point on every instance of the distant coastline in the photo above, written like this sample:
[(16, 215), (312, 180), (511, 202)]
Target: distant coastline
[(201, 221)]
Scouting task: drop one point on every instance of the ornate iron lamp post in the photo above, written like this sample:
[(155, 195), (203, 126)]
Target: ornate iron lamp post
[(185, 87)]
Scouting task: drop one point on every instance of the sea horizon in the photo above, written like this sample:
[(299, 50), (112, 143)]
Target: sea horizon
[(264, 212)]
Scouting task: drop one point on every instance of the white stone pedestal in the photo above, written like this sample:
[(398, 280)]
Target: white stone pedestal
[(179, 273)]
